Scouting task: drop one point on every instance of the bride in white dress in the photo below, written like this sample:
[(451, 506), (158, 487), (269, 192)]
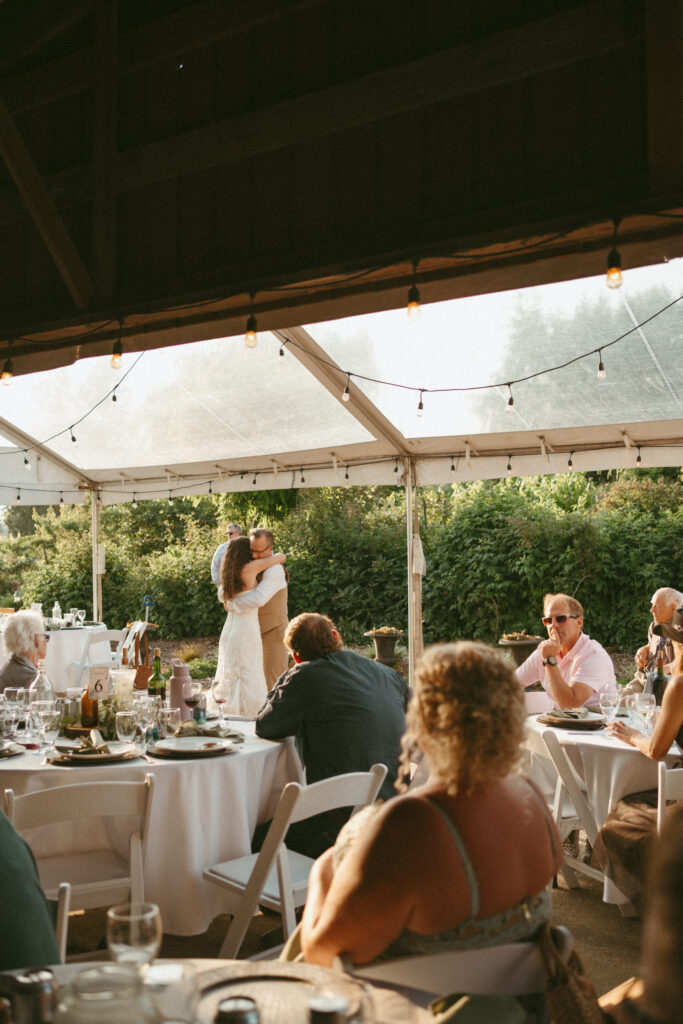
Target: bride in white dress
[(240, 651)]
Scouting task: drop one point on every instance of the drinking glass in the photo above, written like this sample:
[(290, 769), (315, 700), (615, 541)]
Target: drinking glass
[(646, 705), (126, 726), (609, 705), (169, 721), (146, 713), (192, 692), (81, 615), (134, 934), (50, 719), (220, 691)]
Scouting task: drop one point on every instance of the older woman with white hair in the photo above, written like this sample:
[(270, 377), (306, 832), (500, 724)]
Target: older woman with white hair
[(25, 642)]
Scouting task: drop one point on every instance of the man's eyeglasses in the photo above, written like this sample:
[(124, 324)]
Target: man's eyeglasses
[(233, 533), (255, 551), (548, 620)]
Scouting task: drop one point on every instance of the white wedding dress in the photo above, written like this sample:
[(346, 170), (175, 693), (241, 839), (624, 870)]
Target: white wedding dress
[(240, 659)]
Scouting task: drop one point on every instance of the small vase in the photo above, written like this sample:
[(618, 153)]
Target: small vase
[(384, 647)]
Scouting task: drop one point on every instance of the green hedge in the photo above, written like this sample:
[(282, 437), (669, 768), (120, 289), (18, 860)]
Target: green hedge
[(493, 549)]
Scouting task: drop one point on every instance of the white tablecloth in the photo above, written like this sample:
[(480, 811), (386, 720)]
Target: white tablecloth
[(204, 811), (610, 769), (66, 646)]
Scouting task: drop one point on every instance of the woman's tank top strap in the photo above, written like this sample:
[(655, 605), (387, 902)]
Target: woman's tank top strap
[(464, 856), (546, 815)]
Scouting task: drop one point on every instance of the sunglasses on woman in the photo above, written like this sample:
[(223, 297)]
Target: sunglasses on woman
[(548, 620)]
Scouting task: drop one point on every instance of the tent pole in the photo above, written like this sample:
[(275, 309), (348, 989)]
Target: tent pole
[(95, 519), (412, 636)]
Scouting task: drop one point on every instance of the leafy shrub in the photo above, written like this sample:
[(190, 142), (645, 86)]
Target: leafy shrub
[(202, 668)]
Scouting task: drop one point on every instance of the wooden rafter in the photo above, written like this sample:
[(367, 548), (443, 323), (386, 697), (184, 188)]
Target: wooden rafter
[(43, 210), (104, 151)]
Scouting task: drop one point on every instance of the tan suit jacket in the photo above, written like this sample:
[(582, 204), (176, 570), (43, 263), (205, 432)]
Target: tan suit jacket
[(273, 623)]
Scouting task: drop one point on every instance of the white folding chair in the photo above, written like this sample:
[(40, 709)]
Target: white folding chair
[(96, 637), (514, 969), (62, 919), (135, 629), (670, 787), (571, 809), (276, 877), (98, 877)]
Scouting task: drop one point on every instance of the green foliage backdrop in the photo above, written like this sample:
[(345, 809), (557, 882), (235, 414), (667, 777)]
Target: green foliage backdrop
[(493, 549)]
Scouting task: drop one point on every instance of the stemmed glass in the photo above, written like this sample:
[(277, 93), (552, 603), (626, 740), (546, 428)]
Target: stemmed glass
[(609, 705), (50, 719), (220, 691), (192, 692), (646, 705), (126, 726), (15, 699), (81, 615), (134, 934), (146, 711)]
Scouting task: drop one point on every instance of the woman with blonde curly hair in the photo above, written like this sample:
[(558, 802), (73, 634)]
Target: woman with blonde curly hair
[(465, 860)]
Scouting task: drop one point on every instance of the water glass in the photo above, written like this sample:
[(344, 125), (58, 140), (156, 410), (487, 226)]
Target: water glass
[(646, 705), (169, 720), (50, 719), (134, 934), (609, 705), (174, 991), (126, 726)]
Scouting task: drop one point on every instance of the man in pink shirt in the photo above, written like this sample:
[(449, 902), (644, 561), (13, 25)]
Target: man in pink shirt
[(573, 669)]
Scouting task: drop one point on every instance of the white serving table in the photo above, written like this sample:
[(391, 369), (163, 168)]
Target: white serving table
[(609, 768), (205, 811), (64, 647)]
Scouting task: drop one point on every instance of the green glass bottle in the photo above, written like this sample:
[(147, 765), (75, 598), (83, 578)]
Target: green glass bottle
[(156, 686)]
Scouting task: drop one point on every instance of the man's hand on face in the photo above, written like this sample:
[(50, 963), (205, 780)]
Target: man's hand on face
[(551, 646)]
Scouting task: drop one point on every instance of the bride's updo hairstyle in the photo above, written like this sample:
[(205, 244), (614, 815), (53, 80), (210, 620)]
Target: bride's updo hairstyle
[(467, 713), (238, 554)]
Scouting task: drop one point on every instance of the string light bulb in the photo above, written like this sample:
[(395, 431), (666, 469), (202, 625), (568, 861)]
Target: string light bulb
[(7, 372), (282, 351), (73, 436), (303, 481), (509, 466), (413, 311), (254, 480), (170, 498), (614, 277), (117, 351), (510, 402), (601, 366), (346, 474), (114, 398), (638, 459), (210, 487), (18, 499), (452, 464), (420, 405), (347, 391), (135, 504), (27, 464), (251, 338), (570, 464), (61, 498), (395, 465)]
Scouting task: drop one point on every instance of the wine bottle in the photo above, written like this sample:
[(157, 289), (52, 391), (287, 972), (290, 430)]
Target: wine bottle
[(156, 686), (89, 710), (660, 680)]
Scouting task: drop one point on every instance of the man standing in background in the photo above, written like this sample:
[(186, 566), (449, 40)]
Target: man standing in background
[(232, 530)]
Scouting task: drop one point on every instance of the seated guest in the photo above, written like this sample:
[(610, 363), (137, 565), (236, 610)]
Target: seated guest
[(665, 601), (27, 935), (622, 846), (657, 998), (25, 642), (573, 669), (465, 860), (347, 713)]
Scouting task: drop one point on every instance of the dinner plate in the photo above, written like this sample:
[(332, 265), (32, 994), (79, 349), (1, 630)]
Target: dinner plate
[(582, 724), (117, 752), (191, 746), (11, 749)]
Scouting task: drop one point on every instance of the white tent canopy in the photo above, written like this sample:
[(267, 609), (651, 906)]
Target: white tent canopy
[(217, 414)]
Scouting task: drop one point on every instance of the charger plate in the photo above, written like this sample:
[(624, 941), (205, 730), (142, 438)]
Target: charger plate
[(281, 990), (580, 724), (11, 750), (191, 746), (83, 760)]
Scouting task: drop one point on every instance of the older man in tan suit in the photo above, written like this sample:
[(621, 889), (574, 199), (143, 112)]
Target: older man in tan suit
[(271, 600)]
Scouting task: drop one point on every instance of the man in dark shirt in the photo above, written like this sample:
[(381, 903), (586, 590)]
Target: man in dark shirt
[(27, 936), (347, 713)]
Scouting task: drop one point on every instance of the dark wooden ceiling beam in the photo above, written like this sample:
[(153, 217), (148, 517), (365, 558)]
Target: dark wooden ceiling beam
[(42, 209), (508, 56), (664, 40), (105, 92), (192, 28)]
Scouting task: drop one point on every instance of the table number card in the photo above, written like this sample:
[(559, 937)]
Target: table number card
[(99, 683)]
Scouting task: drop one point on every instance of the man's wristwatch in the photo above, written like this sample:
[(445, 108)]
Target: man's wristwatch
[(552, 660)]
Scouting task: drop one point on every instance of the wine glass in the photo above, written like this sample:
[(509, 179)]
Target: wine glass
[(192, 691), (609, 705), (146, 713), (81, 615), (220, 691), (646, 705), (134, 934), (169, 721)]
